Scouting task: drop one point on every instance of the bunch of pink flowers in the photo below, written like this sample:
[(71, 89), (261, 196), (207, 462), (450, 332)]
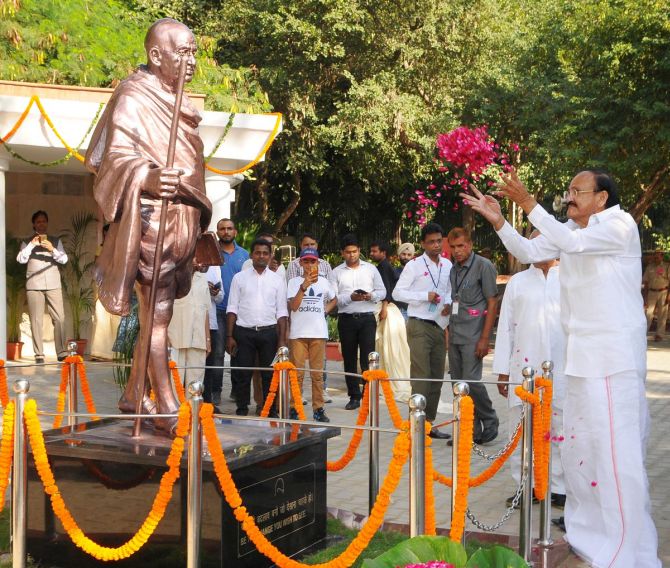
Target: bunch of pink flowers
[(433, 564), (464, 156)]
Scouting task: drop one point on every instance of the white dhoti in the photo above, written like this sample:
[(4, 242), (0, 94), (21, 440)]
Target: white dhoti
[(391, 344), (607, 512)]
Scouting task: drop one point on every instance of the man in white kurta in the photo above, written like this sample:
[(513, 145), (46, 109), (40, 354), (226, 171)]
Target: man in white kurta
[(530, 332), (606, 419)]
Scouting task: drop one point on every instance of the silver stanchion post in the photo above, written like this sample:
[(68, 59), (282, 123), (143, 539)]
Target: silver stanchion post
[(545, 504), (417, 465), (72, 405), (194, 498), (19, 477), (373, 421), (284, 394), (525, 523), (460, 390)]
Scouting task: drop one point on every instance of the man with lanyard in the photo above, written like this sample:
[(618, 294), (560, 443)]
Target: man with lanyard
[(605, 417), (233, 259), (359, 288), (474, 297), (424, 286)]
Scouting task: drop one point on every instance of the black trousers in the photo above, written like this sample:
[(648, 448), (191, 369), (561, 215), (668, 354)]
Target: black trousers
[(251, 342), (211, 375), (357, 335)]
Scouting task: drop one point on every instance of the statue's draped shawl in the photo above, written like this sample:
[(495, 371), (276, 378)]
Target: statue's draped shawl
[(130, 139)]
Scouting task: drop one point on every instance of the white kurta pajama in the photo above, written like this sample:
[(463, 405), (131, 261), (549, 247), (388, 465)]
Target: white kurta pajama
[(530, 332), (606, 419)]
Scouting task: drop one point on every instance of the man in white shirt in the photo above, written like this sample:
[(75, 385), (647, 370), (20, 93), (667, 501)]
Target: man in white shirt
[(359, 287), (43, 254), (256, 322), (424, 285), (294, 269), (310, 298), (606, 419), (274, 265), (530, 332)]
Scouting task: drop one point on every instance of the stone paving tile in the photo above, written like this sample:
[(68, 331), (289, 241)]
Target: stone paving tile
[(348, 489)]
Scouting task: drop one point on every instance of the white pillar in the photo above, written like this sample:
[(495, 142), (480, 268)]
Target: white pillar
[(221, 193), (4, 166)]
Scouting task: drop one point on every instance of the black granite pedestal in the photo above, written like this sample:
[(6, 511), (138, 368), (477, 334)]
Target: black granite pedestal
[(109, 481)]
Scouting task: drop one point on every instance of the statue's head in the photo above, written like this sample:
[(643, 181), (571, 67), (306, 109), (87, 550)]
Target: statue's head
[(166, 42)]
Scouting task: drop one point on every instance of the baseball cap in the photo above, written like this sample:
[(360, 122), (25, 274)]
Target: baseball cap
[(309, 253)]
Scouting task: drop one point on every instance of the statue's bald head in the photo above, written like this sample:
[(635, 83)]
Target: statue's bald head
[(167, 42)]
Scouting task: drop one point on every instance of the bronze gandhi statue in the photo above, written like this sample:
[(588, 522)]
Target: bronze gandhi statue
[(127, 153)]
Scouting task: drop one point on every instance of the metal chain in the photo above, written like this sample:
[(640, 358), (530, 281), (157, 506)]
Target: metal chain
[(508, 511), (500, 452)]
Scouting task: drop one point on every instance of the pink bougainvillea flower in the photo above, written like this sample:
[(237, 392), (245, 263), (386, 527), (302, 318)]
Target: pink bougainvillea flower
[(594, 483)]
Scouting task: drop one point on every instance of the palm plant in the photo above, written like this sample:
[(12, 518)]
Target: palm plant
[(16, 287), (77, 284)]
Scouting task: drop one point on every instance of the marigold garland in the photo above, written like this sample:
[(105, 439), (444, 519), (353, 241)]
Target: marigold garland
[(382, 377), (4, 392), (541, 407), (176, 379), (465, 427), (6, 449), (356, 437), (429, 517), (64, 383), (355, 547), (274, 387), (75, 533), (489, 472)]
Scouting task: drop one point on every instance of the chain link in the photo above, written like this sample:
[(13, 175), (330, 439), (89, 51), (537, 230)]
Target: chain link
[(477, 449), (508, 511)]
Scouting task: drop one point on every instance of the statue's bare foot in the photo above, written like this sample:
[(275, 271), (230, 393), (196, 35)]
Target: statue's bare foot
[(128, 407), (166, 426)]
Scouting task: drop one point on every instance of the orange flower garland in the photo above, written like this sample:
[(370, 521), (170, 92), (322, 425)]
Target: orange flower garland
[(356, 546), (4, 392), (60, 402), (541, 433), (85, 389), (75, 533), (295, 392), (176, 379), (463, 472), (382, 377), (64, 382), (356, 438), (428, 484), (274, 387), (490, 471), (6, 449)]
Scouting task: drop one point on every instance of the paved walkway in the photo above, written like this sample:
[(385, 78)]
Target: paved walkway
[(348, 490)]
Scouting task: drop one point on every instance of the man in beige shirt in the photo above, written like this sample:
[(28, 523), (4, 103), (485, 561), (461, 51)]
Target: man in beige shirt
[(43, 253), (655, 283)]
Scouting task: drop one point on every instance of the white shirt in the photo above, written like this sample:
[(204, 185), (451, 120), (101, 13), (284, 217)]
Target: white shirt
[(214, 276), (601, 274), (26, 250), (364, 277), (419, 277), (309, 320), (530, 331), (257, 299), (187, 329), (248, 263)]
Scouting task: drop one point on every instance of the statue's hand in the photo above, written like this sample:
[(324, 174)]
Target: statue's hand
[(162, 182)]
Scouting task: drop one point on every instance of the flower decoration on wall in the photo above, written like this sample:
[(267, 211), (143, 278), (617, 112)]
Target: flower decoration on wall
[(463, 156)]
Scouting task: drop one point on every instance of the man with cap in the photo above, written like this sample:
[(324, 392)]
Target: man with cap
[(310, 298)]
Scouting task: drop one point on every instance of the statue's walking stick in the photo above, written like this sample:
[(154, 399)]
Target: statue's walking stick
[(145, 338)]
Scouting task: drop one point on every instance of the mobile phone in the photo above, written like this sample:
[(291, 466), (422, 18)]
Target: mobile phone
[(360, 291), (217, 286)]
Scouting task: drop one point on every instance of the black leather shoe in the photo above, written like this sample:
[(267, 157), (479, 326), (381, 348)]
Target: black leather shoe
[(243, 411), (560, 523), (486, 436), (437, 435), (353, 404), (558, 500)]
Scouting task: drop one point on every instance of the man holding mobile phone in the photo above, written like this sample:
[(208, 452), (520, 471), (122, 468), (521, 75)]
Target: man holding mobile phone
[(359, 287), (43, 254)]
